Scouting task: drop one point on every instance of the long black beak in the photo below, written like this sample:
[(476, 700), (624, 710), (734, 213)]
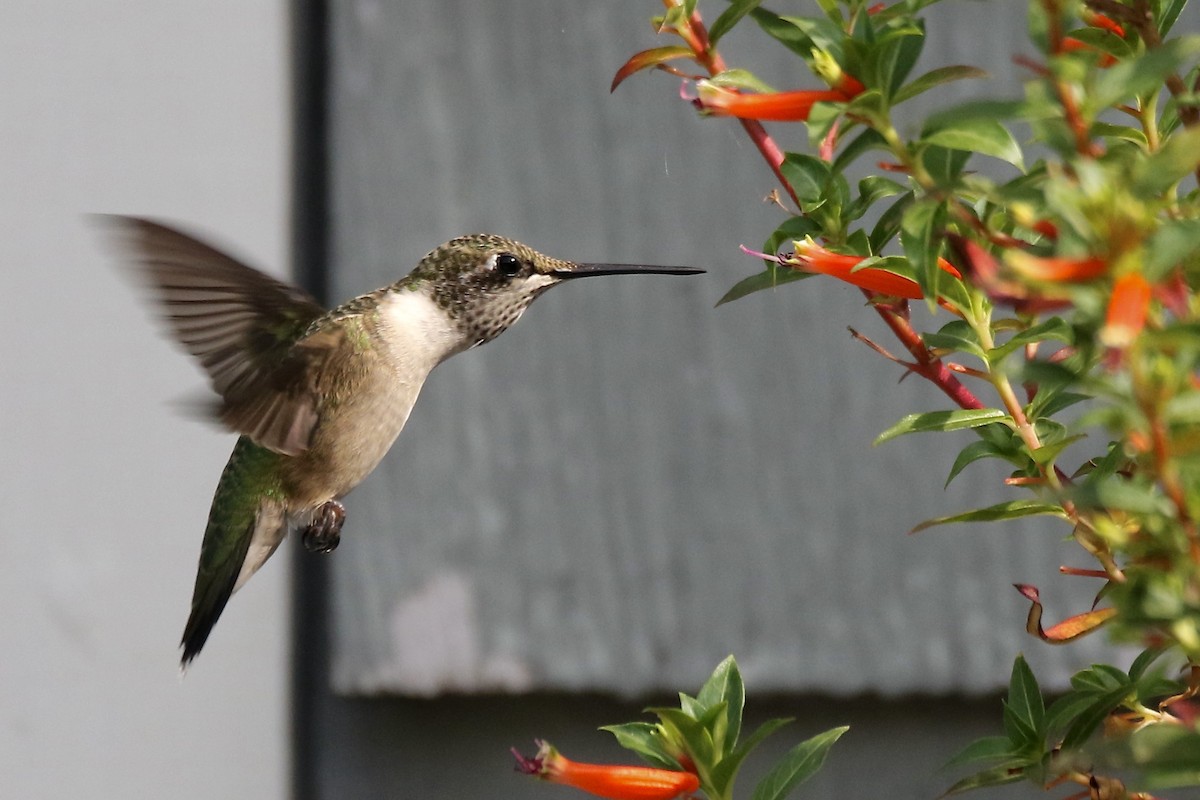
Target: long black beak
[(588, 270)]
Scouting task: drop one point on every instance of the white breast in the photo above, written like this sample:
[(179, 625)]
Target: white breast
[(416, 333)]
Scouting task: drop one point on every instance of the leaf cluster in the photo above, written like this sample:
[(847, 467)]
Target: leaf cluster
[(1050, 743), (704, 735)]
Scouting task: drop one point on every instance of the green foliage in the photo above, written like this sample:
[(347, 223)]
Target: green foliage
[(703, 735), (1065, 332), (1062, 739)]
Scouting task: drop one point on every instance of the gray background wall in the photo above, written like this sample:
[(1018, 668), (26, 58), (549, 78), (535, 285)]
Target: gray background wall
[(178, 110)]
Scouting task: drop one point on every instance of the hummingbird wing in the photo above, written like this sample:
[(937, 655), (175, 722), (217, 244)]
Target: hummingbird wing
[(240, 324)]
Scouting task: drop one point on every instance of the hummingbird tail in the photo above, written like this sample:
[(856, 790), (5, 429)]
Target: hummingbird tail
[(245, 525)]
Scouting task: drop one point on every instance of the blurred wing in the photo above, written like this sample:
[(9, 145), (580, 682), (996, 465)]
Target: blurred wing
[(239, 324)]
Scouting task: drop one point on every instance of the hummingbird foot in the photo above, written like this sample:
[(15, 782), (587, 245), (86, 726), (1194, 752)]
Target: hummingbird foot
[(324, 533)]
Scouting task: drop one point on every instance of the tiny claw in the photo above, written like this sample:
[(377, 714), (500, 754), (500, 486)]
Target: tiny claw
[(324, 533)]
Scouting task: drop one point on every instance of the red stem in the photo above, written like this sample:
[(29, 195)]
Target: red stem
[(696, 36), (928, 365)]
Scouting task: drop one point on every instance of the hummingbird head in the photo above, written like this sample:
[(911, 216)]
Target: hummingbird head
[(486, 282)]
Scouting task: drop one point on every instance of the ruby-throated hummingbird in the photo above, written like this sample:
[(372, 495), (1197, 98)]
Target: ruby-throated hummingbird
[(319, 396)]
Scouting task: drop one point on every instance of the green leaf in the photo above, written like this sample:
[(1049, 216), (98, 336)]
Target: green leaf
[(989, 748), (870, 107), (1023, 737), (957, 420), (762, 732), (935, 78), (724, 773), (1100, 678), (956, 336), (1049, 402), (824, 33), (767, 279), (643, 738), (1116, 492), (973, 452), (944, 164), (870, 190), (987, 137), (1089, 719), (1051, 450), (1013, 509), (1064, 710), (800, 763), (1054, 328), (1139, 76), (1174, 241), (783, 32), (920, 236), (808, 176), (1175, 160), (790, 230), (691, 706), (870, 139), (688, 733), (892, 57), (725, 686), (889, 222), (996, 776), (730, 17), (1168, 11), (1025, 697), (740, 79), (1137, 670), (1119, 133)]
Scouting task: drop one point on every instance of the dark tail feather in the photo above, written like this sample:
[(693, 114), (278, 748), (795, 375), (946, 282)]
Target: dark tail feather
[(207, 606), (231, 522), (209, 599)]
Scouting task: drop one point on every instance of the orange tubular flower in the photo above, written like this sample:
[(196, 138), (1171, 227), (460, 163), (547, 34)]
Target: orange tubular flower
[(774, 106), (814, 258), (612, 781), (1127, 310), (1057, 268)]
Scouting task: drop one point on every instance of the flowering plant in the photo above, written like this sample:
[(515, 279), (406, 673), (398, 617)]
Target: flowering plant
[(1054, 240), (697, 746)]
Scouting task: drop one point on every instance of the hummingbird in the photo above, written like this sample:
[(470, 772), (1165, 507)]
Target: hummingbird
[(318, 396)]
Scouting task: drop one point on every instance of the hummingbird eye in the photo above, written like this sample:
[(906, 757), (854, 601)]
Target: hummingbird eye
[(508, 265)]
